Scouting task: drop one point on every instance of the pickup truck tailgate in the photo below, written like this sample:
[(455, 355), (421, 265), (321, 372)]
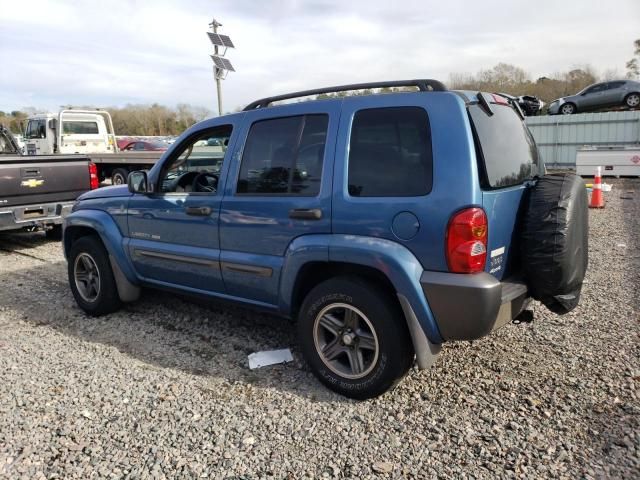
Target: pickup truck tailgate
[(42, 179)]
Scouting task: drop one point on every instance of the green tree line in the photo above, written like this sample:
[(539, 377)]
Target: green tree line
[(132, 120)]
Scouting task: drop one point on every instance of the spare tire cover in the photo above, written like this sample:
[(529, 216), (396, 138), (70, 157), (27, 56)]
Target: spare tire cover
[(554, 241)]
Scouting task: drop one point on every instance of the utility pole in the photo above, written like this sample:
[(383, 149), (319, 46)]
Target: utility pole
[(221, 65), (215, 25)]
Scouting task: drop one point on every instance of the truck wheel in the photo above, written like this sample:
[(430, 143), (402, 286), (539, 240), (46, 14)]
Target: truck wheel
[(354, 337), (119, 176), (54, 233), (91, 278)]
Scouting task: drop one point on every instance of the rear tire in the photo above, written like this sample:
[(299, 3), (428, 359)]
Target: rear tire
[(119, 176), (354, 337), (632, 100), (91, 278), (568, 109)]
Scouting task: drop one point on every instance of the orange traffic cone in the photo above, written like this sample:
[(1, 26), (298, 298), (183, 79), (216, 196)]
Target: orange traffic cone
[(597, 199)]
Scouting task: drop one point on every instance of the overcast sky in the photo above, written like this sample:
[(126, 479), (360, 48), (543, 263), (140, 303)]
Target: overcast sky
[(106, 53)]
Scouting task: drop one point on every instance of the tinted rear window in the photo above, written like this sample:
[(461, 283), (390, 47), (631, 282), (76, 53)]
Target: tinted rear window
[(78, 127), (390, 153), (508, 152)]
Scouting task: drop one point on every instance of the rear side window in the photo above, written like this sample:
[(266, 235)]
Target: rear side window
[(283, 156), (507, 150), (80, 128), (390, 153)]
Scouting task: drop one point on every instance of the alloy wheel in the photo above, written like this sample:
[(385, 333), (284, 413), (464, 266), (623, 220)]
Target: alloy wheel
[(567, 109), (87, 277), (346, 340)]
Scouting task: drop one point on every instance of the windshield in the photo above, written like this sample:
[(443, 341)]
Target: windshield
[(36, 129)]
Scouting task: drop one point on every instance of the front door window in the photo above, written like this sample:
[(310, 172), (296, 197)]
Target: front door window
[(196, 169)]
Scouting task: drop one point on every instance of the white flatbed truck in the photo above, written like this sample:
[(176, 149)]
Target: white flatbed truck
[(86, 132)]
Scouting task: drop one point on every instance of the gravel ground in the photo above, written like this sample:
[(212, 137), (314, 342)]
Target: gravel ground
[(162, 388)]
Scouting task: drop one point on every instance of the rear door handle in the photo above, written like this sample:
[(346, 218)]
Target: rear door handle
[(306, 213), (198, 211)]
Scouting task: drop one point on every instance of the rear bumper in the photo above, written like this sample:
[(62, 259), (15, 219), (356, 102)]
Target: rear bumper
[(34, 216), (467, 307)]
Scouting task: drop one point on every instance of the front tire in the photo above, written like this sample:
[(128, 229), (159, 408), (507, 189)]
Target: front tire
[(354, 337), (91, 278), (632, 100), (568, 109)]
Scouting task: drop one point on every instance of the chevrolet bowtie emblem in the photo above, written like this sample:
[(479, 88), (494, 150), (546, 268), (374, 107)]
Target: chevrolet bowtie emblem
[(31, 183)]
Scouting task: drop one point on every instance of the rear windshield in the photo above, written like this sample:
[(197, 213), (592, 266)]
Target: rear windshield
[(507, 149), (80, 127)]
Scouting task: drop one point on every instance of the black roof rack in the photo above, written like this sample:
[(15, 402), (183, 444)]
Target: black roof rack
[(424, 85)]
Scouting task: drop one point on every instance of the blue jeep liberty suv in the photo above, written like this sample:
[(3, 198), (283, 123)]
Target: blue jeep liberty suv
[(383, 224)]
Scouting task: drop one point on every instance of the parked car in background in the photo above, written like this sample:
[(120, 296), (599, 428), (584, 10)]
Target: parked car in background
[(123, 142), (37, 192), (529, 104), (385, 225), (145, 146), (599, 95)]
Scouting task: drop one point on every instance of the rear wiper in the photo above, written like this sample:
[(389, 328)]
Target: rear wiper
[(482, 101)]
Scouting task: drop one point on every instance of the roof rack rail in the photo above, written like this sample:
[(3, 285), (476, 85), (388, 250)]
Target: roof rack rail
[(424, 85)]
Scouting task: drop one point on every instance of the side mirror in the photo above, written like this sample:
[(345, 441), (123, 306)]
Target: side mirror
[(137, 182)]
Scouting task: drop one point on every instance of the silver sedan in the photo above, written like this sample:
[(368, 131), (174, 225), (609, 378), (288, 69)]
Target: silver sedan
[(600, 95)]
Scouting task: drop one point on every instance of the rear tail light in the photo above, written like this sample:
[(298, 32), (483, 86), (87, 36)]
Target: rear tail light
[(467, 241), (93, 176)]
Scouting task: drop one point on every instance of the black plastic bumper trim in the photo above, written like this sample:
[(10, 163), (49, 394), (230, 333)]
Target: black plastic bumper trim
[(470, 306)]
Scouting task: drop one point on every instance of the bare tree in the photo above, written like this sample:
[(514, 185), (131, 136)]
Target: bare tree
[(633, 65)]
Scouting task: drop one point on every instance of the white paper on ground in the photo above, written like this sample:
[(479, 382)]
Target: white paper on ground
[(269, 357)]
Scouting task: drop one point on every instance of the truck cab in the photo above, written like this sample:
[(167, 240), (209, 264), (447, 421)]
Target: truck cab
[(70, 131)]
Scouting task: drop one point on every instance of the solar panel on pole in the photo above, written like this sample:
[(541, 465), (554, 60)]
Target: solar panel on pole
[(221, 40), (222, 63), (226, 41), (215, 39), (217, 61)]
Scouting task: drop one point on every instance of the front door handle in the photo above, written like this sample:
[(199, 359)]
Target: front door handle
[(198, 211), (306, 213)]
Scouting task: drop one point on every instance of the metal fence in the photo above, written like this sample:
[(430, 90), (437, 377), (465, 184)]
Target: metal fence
[(559, 136)]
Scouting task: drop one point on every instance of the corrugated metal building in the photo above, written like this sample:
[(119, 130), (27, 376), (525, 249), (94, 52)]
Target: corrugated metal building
[(559, 136)]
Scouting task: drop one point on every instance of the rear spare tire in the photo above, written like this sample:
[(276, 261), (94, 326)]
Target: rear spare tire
[(555, 235)]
